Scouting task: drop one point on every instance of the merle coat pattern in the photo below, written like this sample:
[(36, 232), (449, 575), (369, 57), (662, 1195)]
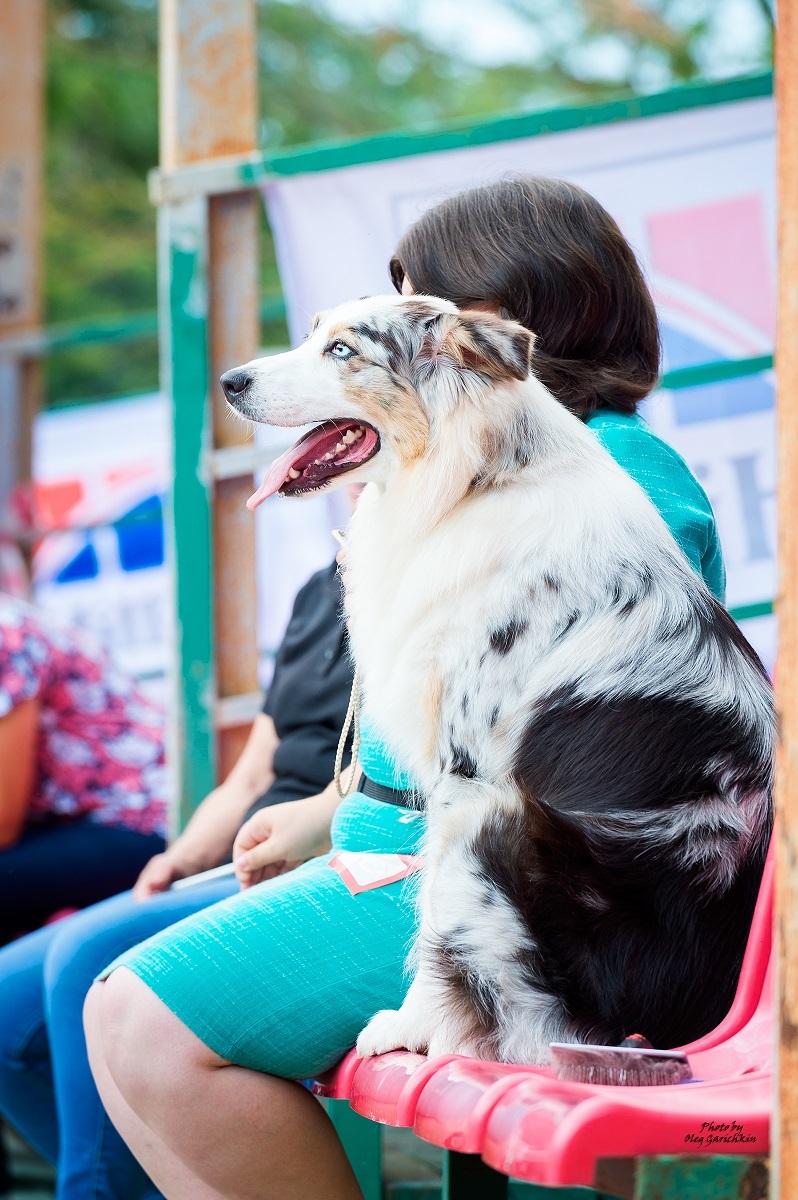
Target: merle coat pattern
[(592, 733)]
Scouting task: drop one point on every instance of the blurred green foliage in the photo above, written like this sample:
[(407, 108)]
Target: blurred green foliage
[(320, 78)]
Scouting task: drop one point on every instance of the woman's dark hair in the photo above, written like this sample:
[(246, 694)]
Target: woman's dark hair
[(553, 259)]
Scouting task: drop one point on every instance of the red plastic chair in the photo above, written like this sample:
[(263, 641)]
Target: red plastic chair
[(449, 1100), (535, 1127), (453, 1107)]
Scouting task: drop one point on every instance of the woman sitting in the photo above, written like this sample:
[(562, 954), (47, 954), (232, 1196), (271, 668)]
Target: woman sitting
[(46, 1090), (83, 800)]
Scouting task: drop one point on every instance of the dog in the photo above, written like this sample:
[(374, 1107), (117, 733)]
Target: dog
[(591, 732)]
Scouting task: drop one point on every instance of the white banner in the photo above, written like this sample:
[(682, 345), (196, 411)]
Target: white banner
[(694, 193)]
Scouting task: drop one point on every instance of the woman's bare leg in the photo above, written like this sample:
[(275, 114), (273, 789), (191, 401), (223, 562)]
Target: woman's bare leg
[(201, 1127), (168, 1173)]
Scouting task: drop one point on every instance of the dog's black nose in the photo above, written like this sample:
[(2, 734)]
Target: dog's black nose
[(235, 383)]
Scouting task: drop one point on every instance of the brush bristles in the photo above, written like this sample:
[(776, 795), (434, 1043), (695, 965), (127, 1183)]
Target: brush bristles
[(621, 1066)]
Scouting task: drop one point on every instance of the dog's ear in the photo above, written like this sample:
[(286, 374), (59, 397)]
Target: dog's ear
[(317, 320), (480, 341)]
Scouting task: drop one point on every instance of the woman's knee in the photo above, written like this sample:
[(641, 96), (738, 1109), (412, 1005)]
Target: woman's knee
[(150, 1055)]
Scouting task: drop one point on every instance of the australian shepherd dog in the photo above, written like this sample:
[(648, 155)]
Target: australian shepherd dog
[(592, 735)]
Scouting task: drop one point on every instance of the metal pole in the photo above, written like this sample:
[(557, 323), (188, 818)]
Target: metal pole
[(785, 1125), (22, 42), (209, 306)]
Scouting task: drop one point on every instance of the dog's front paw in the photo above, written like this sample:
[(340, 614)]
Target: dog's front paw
[(390, 1030)]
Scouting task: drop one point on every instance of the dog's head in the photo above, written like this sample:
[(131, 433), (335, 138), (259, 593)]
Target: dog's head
[(379, 378)]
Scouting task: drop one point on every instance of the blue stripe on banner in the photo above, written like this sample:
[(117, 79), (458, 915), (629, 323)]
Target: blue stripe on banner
[(715, 401), (710, 401), (83, 566), (681, 349), (141, 536)]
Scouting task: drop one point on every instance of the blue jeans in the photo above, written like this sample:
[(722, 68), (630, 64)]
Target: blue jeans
[(46, 1088)]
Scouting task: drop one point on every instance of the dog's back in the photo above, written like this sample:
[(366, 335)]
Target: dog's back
[(636, 856), (633, 723)]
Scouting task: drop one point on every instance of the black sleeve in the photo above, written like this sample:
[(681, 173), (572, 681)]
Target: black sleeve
[(307, 601), (309, 693)]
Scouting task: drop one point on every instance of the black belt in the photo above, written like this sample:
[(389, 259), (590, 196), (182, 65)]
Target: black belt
[(388, 795)]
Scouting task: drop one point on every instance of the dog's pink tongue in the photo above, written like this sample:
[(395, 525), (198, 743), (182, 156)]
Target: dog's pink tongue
[(276, 475), (319, 455), (309, 447)]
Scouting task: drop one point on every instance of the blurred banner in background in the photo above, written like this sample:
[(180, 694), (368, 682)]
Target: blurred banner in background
[(694, 192), (105, 469)]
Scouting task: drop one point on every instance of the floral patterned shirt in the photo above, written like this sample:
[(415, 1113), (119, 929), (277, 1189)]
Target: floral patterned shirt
[(100, 749)]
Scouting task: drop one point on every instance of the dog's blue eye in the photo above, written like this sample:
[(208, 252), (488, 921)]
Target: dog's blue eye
[(340, 350)]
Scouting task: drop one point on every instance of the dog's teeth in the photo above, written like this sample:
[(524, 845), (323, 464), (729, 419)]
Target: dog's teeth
[(293, 473), (339, 448), (359, 433), (327, 457), (349, 436)]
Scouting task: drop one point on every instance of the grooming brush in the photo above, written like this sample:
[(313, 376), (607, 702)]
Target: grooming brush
[(632, 1064), (204, 876)]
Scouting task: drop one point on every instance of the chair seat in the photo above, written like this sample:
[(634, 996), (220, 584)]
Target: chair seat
[(525, 1122)]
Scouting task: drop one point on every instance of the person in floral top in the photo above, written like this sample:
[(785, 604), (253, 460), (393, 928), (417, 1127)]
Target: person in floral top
[(83, 790)]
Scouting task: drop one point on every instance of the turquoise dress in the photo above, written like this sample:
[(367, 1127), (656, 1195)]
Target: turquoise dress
[(671, 486), (283, 977)]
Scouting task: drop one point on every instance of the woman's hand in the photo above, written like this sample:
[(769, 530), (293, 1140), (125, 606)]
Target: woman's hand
[(161, 871), (209, 835), (279, 838)]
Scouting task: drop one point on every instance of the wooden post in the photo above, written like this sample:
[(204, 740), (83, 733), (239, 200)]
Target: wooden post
[(22, 42), (785, 1125), (209, 298), (235, 329)]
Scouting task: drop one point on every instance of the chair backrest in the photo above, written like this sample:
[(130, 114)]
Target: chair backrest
[(754, 970)]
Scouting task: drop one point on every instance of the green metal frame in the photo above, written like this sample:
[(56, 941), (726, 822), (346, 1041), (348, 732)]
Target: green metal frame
[(719, 1176), (715, 1177), (183, 305), (462, 135), (714, 372), (253, 170)]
